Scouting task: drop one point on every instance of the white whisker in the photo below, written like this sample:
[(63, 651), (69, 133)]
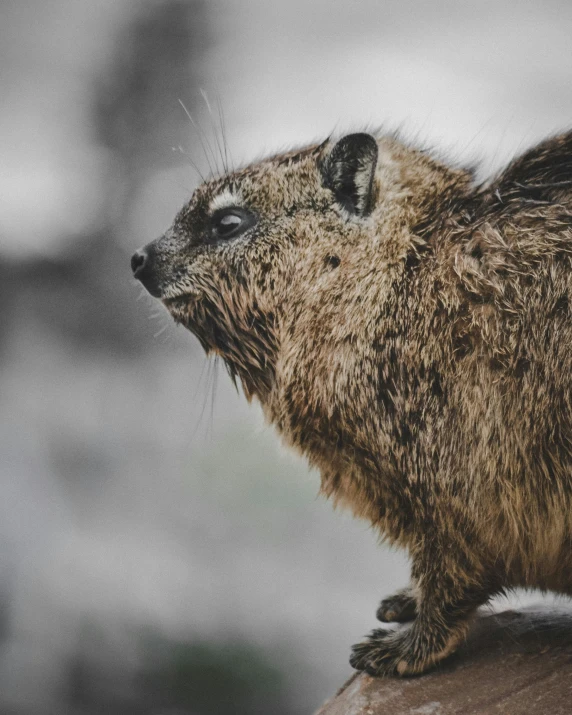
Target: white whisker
[(215, 130), (204, 96), (191, 162), (160, 332), (204, 141), (227, 154)]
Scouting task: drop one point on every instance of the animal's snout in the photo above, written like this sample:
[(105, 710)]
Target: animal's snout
[(142, 267)]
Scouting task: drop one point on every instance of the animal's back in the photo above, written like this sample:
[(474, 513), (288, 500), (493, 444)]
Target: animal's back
[(515, 271)]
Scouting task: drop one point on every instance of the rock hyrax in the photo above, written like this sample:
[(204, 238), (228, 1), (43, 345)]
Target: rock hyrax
[(409, 331)]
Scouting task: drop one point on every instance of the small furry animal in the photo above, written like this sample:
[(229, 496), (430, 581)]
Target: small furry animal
[(410, 332)]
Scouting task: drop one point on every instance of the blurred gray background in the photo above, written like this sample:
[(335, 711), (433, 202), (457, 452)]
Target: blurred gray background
[(160, 552)]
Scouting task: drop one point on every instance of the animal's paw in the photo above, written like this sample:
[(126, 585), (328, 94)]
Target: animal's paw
[(388, 653), (398, 608)]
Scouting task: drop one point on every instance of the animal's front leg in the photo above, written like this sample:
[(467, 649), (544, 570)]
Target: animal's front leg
[(444, 607), (400, 607)]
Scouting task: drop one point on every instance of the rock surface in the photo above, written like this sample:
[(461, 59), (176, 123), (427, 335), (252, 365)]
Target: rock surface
[(513, 663)]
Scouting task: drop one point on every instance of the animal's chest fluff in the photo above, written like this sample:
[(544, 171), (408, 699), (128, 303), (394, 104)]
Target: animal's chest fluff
[(329, 410), (326, 399)]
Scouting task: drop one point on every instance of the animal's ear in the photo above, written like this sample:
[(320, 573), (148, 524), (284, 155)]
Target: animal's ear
[(348, 170)]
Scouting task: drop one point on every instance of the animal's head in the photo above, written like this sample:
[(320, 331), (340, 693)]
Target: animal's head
[(254, 248)]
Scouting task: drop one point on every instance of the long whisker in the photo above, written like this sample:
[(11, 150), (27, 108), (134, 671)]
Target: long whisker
[(191, 162), (207, 363), (222, 124), (204, 96), (161, 331), (216, 364), (215, 132), (207, 149), (201, 374)]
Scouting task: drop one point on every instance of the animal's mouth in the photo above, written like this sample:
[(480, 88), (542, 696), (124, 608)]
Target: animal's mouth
[(174, 295), (174, 300), (181, 307), (168, 283)]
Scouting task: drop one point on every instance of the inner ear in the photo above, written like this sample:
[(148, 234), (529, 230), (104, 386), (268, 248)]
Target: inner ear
[(348, 171)]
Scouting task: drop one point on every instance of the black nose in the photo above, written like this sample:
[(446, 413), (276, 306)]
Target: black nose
[(138, 262), (141, 265)]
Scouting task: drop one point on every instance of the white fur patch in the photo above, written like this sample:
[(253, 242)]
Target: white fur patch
[(224, 199)]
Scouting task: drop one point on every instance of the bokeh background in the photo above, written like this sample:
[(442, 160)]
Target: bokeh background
[(160, 552)]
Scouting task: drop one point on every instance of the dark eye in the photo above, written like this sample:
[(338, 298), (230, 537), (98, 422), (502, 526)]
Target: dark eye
[(231, 222)]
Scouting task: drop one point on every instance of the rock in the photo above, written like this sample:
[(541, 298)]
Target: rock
[(513, 663)]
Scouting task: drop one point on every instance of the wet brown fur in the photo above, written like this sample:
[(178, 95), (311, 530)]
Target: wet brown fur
[(419, 355)]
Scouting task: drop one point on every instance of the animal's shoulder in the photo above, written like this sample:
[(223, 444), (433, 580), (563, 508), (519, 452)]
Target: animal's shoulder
[(547, 166), (529, 205), (535, 183)]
